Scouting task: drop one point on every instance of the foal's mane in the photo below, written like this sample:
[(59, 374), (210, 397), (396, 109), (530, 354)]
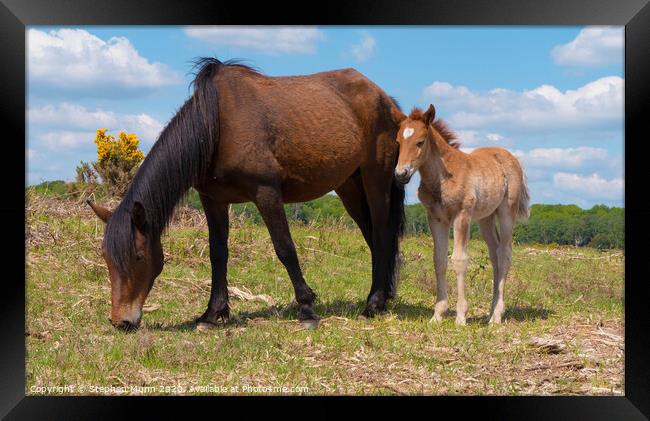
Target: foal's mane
[(439, 125)]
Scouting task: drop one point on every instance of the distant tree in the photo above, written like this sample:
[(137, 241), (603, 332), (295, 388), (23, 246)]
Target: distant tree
[(600, 226)]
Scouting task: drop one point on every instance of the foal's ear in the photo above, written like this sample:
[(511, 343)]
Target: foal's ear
[(429, 115), (103, 213), (138, 216)]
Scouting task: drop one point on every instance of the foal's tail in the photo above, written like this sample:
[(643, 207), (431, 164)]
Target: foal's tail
[(522, 206), (396, 219)]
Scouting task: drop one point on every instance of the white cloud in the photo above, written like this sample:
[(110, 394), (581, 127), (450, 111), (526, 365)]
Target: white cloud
[(593, 186), (597, 104), (58, 120), (480, 138), (265, 39), (57, 140), (364, 49), (593, 46), (78, 61), (494, 137), (565, 158)]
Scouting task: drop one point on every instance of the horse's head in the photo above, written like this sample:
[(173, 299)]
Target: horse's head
[(413, 136), (134, 258)]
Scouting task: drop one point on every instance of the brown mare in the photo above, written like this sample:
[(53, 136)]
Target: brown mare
[(242, 137), (486, 184)]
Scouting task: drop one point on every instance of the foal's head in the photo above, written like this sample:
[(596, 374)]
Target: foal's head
[(133, 266), (412, 137), (418, 135)]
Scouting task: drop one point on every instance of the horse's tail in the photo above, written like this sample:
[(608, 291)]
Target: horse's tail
[(522, 206), (396, 219)]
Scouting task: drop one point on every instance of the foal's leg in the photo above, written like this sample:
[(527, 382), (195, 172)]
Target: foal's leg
[(269, 203), (459, 262), (504, 255), (440, 233), (217, 218), (489, 233)]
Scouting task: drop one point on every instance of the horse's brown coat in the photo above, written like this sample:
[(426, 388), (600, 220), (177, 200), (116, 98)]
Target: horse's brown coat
[(290, 139)]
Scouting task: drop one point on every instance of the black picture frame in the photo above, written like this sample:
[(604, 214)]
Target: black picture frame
[(15, 15)]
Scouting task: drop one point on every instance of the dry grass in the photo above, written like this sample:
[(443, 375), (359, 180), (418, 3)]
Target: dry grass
[(563, 332)]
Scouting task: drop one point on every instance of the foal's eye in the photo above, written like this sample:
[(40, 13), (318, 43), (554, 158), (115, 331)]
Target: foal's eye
[(419, 143), (139, 256)]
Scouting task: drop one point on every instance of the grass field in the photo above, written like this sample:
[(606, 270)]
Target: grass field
[(563, 332)]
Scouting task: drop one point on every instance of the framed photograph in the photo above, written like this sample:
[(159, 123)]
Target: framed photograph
[(432, 199)]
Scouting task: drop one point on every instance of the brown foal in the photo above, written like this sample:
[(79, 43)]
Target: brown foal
[(487, 184)]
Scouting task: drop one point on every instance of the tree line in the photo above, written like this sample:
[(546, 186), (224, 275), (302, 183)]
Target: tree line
[(600, 227)]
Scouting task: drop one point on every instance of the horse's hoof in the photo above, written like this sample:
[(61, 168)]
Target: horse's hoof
[(204, 326), (367, 314), (212, 317), (461, 322), (310, 324), (372, 311)]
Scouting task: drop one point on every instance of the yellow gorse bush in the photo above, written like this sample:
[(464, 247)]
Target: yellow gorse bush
[(124, 149)]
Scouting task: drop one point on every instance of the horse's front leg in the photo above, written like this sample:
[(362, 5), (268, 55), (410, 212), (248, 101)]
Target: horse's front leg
[(440, 233), (217, 218), (269, 203)]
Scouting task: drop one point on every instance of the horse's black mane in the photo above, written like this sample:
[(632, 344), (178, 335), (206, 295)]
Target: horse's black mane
[(392, 98), (179, 159)]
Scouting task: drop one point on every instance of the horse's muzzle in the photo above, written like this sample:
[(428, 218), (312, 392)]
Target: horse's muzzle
[(126, 325)]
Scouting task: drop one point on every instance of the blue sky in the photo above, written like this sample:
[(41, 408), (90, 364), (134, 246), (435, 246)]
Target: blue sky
[(552, 95)]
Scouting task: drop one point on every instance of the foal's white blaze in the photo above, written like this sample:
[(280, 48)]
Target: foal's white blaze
[(407, 132)]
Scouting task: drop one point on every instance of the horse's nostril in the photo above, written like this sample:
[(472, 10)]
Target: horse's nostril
[(125, 325)]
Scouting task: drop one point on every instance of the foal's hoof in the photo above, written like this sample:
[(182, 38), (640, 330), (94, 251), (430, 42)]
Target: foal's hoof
[(437, 318)]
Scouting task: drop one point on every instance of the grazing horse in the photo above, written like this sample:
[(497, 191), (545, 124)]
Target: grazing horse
[(246, 137), (486, 184)]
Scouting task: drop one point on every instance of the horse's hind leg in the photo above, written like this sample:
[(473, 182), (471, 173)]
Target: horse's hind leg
[(353, 197), (269, 203), (459, 260), (217, 218), (378, 196), (504, 256), (489, 233)]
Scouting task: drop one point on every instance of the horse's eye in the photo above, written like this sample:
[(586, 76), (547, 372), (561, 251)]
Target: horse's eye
[(139, 256), (420, 143)]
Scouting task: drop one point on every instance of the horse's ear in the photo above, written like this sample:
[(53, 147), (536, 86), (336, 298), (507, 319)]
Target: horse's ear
[(138, 216), (397, 115), (103, 213), (429, 115)]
